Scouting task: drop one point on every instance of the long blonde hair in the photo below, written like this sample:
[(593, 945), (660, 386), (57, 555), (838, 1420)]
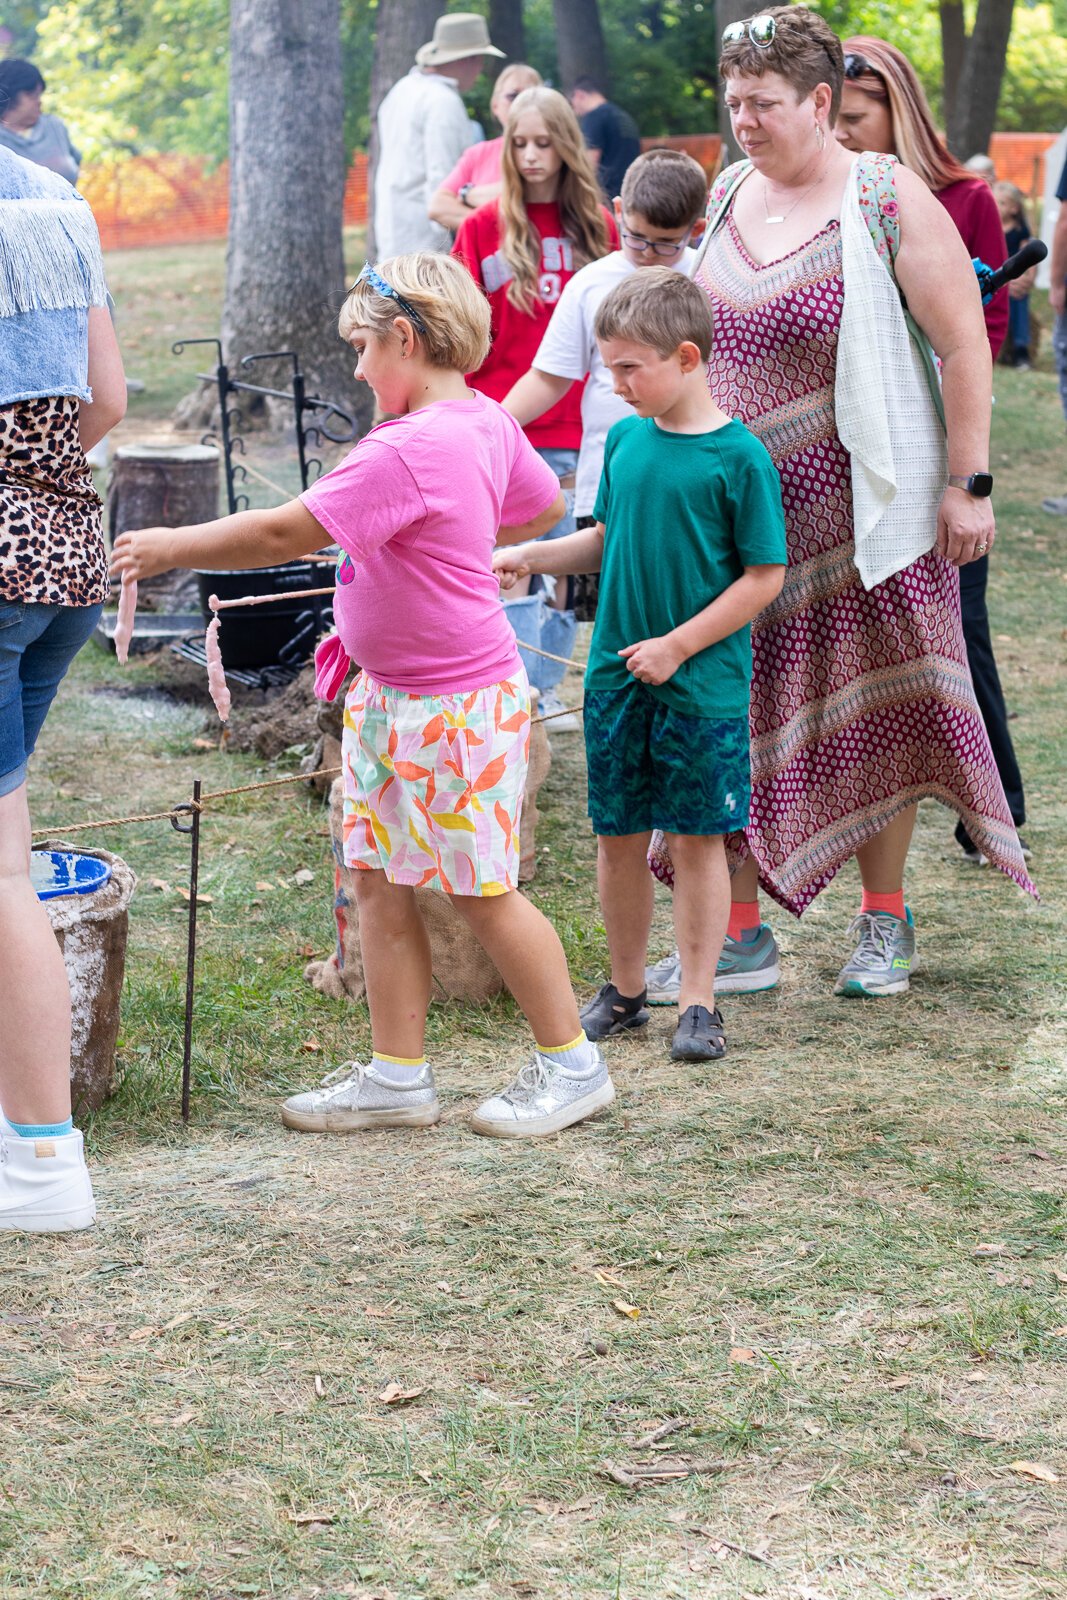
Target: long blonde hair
[(893, 81), (578, 198)]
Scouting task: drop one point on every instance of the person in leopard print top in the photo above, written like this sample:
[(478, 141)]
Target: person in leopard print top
[(62, 389)]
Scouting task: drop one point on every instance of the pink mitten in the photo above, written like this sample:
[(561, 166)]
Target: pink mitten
[(331, 667)]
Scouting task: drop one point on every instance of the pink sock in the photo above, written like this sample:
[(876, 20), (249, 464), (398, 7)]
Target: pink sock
[(893, 903), (744, 918)]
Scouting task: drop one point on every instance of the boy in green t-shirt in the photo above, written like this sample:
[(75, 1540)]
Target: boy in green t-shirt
[(690, 545)]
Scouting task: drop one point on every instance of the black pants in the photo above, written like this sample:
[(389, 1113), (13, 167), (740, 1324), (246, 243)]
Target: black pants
[(990, 696)]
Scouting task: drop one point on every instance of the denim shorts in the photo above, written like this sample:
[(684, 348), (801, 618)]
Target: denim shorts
[(651, 766), (37, 645)]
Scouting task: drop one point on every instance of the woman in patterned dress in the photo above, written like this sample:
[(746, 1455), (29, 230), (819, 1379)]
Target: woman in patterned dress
[(61, 389), (862, 702)]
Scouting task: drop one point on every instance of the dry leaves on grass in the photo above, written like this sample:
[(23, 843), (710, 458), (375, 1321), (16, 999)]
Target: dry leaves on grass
[(742, 1353), (311, 1519), (668, 1469), (1036, 1470), (625, 1309), (394, 1395)]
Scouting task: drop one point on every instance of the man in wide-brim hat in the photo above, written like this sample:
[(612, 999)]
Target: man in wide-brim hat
[(423, 129)]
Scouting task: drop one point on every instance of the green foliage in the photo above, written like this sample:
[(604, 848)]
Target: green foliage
[(18, 29), (152, 74), (147, 76)]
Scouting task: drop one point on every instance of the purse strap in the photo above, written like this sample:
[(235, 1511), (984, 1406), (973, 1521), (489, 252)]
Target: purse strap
[(877, 197)]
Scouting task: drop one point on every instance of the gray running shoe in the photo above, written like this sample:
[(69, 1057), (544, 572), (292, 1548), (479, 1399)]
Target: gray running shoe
[(884, 959), (745, 967), (356, 1097), (663, 982), (545, 1098), (1056, 506)]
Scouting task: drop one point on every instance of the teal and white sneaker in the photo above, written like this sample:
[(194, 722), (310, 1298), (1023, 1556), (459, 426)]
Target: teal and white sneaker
[(745, 967), (884, 959)]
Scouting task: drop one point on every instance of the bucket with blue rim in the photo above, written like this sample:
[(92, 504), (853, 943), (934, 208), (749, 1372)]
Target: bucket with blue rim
[(58, 872)]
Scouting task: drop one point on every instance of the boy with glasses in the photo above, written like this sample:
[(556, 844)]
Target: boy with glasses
[(660, 216)]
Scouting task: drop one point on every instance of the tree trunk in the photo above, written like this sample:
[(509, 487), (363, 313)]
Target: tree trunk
[(974, 114), (727, 11), (507, 30), (403, 25), (580, 43), (953, 51), (284, 262)]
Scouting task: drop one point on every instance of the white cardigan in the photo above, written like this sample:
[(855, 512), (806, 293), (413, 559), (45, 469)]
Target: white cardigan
[(885, 412)]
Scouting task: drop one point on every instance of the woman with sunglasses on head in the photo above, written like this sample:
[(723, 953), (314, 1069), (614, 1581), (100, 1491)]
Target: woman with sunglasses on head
[(861, 700), (883, 108), (523, 249)]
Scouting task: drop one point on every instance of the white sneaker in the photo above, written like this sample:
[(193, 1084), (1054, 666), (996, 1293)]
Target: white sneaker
[(563, 721), (356, 1097), (44, 1184), (544, 1098)]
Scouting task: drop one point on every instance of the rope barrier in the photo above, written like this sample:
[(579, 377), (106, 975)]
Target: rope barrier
[(253, 472)]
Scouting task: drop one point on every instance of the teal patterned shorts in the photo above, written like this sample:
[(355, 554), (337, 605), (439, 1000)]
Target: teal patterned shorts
[(653, 767)]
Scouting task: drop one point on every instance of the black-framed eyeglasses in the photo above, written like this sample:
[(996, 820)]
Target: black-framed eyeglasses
[(759, 31), (379, 285), (857, 66), (659, 247)]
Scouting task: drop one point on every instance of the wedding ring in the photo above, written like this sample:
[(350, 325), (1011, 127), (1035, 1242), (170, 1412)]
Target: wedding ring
[(981, 549)]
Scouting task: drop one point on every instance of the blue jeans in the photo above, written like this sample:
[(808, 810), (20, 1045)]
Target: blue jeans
[(1059, 350), (37, 645), (535, 622), (1019, 325)]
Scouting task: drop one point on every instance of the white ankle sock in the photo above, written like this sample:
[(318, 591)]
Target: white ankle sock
[(397, 1069), (579, 1056)]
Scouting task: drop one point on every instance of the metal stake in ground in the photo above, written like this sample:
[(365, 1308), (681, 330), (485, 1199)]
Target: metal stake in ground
[(193, 828)]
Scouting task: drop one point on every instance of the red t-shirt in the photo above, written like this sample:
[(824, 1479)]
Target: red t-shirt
[(970, 204), (517, 334)]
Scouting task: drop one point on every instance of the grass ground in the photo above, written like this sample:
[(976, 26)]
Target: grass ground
[(836, 1262)]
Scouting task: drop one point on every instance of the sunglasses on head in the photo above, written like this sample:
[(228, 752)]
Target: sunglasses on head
[(379, 285), (759, 31), (859, 67)]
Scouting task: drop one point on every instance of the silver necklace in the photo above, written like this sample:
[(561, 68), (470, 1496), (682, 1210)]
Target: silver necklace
[(787, 214)]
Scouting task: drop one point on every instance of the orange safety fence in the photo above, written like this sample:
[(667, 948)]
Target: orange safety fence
[(171, 199)]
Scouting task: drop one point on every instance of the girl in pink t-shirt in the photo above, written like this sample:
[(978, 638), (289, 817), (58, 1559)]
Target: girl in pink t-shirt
[(437, 723)]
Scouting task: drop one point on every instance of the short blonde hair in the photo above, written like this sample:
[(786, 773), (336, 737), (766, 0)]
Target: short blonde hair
[(805, 51), (660, 308), (453, 312)]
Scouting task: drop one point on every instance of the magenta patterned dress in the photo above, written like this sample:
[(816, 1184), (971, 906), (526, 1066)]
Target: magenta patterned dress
[(862, 701)]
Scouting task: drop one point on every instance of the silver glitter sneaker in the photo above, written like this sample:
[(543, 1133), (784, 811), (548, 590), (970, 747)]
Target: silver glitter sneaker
[(746, 966), (543, 1099), (356, 1097), (884, 959)]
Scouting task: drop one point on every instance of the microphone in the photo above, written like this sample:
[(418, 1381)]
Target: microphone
[(990, 281)]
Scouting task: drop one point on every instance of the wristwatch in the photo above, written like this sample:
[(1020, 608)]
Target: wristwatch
[(979, 484), (464, 195)]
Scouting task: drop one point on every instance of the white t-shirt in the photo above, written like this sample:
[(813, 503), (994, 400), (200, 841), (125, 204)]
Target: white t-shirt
[(423, 129), (569, 350)]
